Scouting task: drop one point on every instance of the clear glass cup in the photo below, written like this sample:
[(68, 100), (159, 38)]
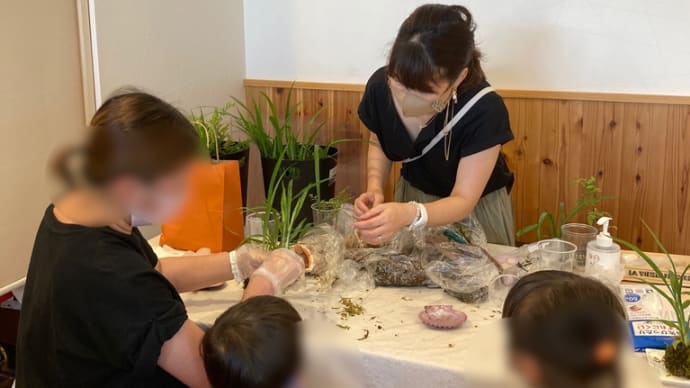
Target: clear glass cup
[(499, 288), (557, 254), (580, 235), (324, 214)]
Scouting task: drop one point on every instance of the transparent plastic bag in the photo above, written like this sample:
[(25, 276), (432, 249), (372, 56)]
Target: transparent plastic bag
[(353, 276), (323, 249), (392, 269), (463, 271)]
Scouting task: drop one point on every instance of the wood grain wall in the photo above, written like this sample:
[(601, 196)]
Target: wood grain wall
[(637, 146)]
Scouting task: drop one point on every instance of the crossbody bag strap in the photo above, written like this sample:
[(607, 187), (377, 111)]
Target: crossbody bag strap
[(449, 127)]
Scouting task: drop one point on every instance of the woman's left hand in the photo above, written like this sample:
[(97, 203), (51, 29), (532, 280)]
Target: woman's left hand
[(382, 222)]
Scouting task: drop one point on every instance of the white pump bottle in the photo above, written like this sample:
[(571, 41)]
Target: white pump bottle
[(603, 255)]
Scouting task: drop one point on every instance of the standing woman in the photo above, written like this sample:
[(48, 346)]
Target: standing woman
[(432, 108), (99, 309)]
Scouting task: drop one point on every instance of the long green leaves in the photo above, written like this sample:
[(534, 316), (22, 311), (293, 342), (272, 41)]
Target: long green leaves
[(588, 199), (277, 135), (672, 284), (214, 131)]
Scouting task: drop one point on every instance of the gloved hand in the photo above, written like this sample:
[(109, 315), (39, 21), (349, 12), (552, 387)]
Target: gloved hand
[(282, 268), (246, 259)]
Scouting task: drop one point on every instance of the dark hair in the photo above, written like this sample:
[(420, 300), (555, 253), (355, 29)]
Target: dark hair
[(436, 42), (132, 133), (254, 344), (563, 320)]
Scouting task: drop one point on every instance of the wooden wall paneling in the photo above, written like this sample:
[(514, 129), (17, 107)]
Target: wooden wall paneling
[(550, 157), (346, 125), (674, 230), (321, 102), (636, 146)]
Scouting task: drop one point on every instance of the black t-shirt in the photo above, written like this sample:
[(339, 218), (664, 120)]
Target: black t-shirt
[(95, 311), (484, 126)]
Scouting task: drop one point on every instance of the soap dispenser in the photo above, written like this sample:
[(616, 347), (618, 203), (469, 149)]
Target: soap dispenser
[(603, 255)]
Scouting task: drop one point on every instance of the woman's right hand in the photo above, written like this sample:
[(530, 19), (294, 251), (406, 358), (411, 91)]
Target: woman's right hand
[(367, 201), (282, 268)]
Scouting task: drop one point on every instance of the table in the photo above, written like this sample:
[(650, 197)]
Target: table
[(399, 351)]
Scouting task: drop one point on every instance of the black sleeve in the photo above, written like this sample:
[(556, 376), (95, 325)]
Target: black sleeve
[(368, 110), (488, 127), (131, 310)]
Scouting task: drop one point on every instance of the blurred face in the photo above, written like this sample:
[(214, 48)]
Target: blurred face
[(157, 201)]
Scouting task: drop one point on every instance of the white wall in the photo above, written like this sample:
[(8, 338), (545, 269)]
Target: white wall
[(190, 53), (636, 46)]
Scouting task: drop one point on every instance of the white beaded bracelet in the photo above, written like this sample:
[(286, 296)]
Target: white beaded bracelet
[(236, 273)]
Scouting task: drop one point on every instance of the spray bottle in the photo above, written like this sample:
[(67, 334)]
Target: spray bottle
[(604, 256)]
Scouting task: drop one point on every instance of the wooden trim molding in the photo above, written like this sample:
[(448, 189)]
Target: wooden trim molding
[(506, 93), (86, 58)]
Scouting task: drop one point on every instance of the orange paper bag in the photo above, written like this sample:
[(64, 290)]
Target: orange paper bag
[(212, 216)]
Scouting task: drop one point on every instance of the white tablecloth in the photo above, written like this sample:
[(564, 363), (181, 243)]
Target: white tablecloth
[(399, 350)]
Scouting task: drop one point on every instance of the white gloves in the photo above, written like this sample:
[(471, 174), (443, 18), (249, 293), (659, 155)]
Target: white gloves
[(245, 260), (282, 268)]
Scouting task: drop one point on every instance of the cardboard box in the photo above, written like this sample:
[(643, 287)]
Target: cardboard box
[(636, 269)]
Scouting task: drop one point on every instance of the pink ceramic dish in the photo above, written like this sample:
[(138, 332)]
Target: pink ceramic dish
[(442, 317)]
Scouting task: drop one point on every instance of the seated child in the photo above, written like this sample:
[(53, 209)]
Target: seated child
[(254, 344), (565, 331)]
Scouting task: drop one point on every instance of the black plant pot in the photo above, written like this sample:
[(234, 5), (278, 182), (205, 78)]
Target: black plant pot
[(243, 158), (302, 174)]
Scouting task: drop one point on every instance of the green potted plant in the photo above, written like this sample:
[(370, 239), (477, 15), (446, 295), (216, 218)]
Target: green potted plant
[(214, 128), (281, 225), (677, 354), (588, 199), (275, 135)]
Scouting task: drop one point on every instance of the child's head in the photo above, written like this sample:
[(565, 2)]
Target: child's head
[(565, 330), (254, 344)]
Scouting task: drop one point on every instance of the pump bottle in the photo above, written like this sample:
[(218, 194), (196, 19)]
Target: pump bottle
[(603, 255)]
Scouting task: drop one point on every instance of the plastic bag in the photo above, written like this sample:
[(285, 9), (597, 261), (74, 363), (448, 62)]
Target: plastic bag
[(392, 269), (463, 271), (323, 249), (353, 276)]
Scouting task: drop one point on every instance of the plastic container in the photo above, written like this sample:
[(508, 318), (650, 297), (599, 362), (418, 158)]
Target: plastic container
[(604, 256), (324, 213), (580, 235), (557, 255)]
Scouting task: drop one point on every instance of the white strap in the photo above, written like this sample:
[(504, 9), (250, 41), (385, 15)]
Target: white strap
[(449, 127)]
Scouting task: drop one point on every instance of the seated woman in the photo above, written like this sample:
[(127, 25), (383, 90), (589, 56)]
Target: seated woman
[(565, 331), (99, 308)]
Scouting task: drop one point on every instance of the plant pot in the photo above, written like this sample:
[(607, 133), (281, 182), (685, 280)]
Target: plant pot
[(253, 224), (243, 157), (302, 174), (324, 213)]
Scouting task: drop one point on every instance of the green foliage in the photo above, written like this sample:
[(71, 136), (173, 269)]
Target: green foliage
[(336, 202), (589, 198), (214, 130), (281, 228), (275, 135), (672, 287)]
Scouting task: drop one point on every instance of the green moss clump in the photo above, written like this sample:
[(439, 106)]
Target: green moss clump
[(677, 360)]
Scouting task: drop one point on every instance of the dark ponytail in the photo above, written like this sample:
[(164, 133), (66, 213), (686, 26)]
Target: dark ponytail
[(132, 133), (435, 43), (573, 326)]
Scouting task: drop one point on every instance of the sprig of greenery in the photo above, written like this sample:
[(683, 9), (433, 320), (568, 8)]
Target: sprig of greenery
[(588, 199), (214, 131), (275, 135), (282, 228), (672, 285)]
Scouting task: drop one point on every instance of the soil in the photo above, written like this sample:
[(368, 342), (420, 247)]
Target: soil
[(677, 360)]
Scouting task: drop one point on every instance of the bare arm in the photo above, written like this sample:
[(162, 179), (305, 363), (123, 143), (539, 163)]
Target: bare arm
[(378, 166), (189, 273), (181, 356), (471, 178)]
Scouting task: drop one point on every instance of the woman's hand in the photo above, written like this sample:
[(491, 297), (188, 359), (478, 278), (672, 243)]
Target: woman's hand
[(380, 224), (282, 268), (367, 201), (248, 258)]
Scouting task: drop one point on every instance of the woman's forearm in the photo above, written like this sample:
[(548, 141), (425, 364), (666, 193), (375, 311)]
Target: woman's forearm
[(448, 210), (189, 273), (378, 167)]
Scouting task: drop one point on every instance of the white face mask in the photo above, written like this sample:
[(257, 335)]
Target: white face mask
[(154, 207)]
